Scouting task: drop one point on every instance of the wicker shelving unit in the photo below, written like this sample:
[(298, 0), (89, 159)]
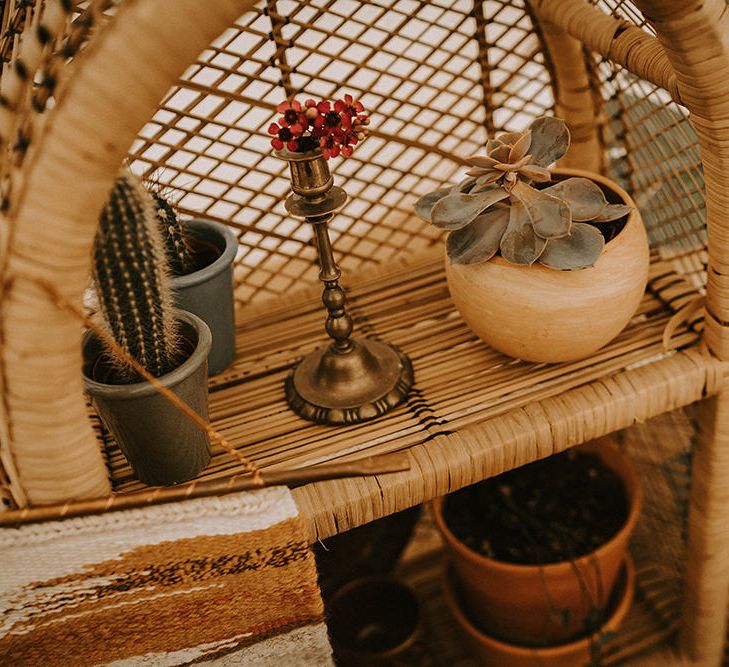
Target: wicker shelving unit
[(640, 84)]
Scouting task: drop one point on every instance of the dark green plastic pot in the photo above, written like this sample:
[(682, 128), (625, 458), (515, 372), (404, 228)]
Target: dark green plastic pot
[(208, 292), (162, 445)]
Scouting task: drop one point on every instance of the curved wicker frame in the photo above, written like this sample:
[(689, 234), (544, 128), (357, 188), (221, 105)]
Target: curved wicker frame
[(105, 98), (48, 450)]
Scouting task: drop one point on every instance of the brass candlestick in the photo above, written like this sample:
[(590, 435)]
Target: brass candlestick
[(351, 379)]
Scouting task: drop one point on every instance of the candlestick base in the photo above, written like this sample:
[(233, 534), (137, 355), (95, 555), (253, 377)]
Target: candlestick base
[(365, 382)]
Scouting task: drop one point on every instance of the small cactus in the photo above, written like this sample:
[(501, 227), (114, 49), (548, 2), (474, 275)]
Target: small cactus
[(179, 252), (497, 209), (132, 281)]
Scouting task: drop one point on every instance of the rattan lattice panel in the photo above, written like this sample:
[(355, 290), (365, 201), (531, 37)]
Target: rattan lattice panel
[(436, 75), (652, 148), (661, 450), (459, 381)]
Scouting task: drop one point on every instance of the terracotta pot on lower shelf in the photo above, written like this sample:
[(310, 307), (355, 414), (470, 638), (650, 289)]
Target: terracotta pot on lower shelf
[(579, 653), (533, 604), (545, 315), (376, 621)]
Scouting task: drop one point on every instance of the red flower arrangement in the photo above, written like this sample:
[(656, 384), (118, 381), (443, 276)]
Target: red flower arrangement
[(334, 127)]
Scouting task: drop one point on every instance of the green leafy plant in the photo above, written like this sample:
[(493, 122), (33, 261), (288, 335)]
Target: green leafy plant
[(498, 209), (131, 275)]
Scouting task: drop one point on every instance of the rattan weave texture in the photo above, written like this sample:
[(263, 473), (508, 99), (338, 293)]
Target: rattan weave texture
[(641, 85), (418, 66)]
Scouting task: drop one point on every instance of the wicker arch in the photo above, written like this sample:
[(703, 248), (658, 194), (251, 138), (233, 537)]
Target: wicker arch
[(695, 37), (60, 194), (574, 99)]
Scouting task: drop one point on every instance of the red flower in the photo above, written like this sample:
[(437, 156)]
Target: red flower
[(336, 127), (349, 106), (293, 114), (286, 105), (332, 119)]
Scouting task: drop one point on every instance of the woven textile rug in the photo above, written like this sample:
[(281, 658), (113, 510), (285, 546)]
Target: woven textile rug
[(214, 581)]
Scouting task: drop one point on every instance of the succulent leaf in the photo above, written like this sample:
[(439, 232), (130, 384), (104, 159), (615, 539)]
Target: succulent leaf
[(486, 179), (520, 244), (500, 153), (483, 161), (479, 241), (550, 140), (521, 147), (457, 210), (613, 212), (536, 173), (585, 198), (491, 144), (550, 215), (424, 205), (464, 186), (577, 251), (512, 166), (509, 138)]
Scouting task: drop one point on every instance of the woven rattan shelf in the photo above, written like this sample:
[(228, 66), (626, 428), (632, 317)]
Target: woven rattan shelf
[(473, 412)]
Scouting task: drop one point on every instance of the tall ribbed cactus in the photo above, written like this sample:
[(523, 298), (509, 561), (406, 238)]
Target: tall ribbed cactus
[(179, 253), (132, 280)]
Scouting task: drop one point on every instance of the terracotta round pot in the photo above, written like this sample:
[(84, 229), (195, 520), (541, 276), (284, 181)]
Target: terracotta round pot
[(495, 653), (541, 314), (375, 621), (541, 605)]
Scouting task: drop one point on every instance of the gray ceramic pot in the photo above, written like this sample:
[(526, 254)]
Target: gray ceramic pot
[(163, 446), (208, 292)]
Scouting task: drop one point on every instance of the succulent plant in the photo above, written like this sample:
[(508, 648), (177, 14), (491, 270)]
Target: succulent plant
[(180, 254), (132, 281), (498, 209)]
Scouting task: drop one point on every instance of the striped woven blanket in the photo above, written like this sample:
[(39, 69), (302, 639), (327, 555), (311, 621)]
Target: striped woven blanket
[(214, 581)]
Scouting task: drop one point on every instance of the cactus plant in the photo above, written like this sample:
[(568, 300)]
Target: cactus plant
[(180, 253), (132, 281), (201, 255), (498, 209)]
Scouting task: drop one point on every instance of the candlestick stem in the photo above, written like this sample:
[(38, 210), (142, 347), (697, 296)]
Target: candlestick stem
[(351, 379), (339, 323)]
